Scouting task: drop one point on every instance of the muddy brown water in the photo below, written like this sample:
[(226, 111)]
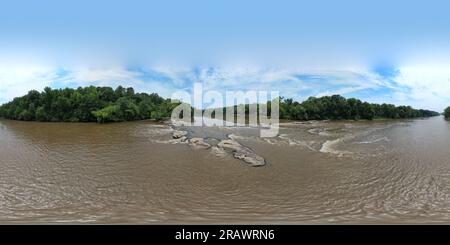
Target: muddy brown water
[(394, 171)]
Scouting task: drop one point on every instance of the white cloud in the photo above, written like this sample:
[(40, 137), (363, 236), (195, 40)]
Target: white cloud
[(89, 75), (428, 85), (419, 86), (426, 80), (17, 80)]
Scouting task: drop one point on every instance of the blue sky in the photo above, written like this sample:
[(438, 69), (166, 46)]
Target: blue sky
[(379, 51)]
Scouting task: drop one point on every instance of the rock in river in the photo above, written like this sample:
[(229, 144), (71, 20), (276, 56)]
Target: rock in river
[(242, 152), (177, 134), (199, 143)]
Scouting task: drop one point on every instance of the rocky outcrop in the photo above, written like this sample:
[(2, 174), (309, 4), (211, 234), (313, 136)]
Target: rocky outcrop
[(199, 143), (218, 151), (177, 134), (242, 152), (222, 148)]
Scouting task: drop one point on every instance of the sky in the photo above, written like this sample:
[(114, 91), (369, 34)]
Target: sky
[(378, 51)]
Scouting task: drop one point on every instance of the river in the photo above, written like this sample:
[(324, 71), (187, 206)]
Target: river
[(393, 171)]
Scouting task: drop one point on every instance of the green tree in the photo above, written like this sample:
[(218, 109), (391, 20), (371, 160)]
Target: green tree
[(103, 104), (447, 112), (87, 104), (108, 114), (41, 115), (338, 107)]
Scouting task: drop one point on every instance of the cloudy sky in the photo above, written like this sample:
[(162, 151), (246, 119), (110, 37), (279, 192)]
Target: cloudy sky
[(378, 51)]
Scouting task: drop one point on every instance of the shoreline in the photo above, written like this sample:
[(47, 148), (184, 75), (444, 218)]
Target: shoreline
[(165, 120)]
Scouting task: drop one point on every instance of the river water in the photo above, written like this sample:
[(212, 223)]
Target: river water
[(395, 171)]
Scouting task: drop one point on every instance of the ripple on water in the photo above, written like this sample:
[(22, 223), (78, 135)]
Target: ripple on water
[(52, 172)]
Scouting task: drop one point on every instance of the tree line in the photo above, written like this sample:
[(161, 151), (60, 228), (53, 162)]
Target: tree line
[(447, 112), (87, 104), (105, 104), (338, 107), (335, 107)]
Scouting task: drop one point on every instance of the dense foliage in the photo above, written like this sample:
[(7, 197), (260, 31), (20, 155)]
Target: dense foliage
[(447, 112), (88, 104), (338, 107), (103, 104)]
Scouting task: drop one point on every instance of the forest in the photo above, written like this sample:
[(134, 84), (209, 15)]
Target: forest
[(105, 104), (338, 107), (88, 104)]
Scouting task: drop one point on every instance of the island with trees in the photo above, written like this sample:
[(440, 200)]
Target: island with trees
[(105, 104)]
